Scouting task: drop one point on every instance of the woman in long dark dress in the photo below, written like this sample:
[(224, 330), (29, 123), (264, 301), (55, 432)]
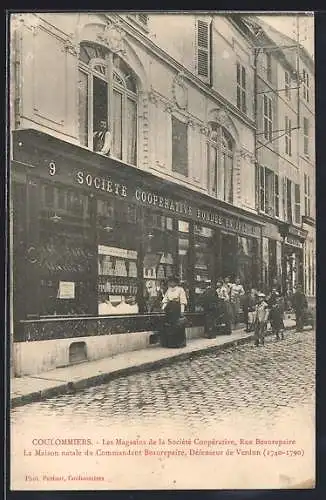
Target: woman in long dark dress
[(173, 304)]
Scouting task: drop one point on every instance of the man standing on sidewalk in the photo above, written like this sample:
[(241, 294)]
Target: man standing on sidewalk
[(210, 306), (261, 320), (300, 306)]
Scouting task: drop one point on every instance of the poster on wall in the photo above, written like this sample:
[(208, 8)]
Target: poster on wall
[(134, 155), (66, 290)]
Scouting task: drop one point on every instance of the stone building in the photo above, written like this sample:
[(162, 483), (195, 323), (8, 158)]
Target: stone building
[(132, 147)]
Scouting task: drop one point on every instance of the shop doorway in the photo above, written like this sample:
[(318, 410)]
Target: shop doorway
[(229, 247)]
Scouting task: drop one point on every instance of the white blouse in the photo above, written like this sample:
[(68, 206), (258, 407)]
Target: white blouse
[(176, 293)]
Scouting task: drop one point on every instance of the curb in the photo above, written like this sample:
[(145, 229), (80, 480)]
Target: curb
[(73, 387)]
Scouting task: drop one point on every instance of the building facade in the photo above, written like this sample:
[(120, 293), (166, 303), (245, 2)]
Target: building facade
[(96, 234)]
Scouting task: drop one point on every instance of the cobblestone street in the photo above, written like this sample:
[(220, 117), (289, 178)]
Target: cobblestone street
[(238, 393), (200, 391)]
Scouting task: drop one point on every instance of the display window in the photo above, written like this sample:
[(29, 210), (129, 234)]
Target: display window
[(65, 252), (203, 261), (247, 258), (117, 259), (159, 257)]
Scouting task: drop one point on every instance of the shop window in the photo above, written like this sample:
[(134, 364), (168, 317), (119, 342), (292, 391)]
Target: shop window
[(204, 261), (247, 259), (160, 252), (118, 266), (241, 88), (103, 128), (220, 163), (179, 147), (203, 54)]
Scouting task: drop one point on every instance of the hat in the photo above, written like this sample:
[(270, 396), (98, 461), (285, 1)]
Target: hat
[(208, 282), (260, 294)]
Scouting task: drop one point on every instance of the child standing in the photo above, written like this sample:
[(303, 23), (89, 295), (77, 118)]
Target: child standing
[(261, 319)]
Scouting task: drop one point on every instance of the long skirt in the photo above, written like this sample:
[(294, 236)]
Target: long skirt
[(210, 324), (174, 331)]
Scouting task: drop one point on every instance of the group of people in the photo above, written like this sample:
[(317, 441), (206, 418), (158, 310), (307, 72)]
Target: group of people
[(222, 305)]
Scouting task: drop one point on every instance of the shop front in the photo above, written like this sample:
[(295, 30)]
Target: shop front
[(94, 243)]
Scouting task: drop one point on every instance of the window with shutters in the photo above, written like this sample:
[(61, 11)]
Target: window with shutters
[(287, 85), (306, 136), (276, 195), (268, 118), (288, 136), (203, 39), (297, 215), (179, 147), (241, 88), (306, 195), (267, 195), (289, 200), (268, 68), (305, 85)]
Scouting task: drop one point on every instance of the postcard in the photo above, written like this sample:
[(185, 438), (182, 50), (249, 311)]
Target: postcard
[(163, 250)]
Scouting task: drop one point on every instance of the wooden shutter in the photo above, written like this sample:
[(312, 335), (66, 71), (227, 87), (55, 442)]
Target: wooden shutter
[(203, 49)]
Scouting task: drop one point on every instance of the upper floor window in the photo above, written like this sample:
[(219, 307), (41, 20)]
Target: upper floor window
[(306, 136), (203, 43), (288, 136), (107, 103), (276, 195), (220, 163), (297, 213), (179, 146), (267, 191), (241, 88), (287, 85), (307, 195), (268, 68), (305, 85), (268, 118)]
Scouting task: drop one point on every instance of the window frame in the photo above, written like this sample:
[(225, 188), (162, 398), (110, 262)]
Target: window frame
[(288, 136), (297, 204), (112, 85), (207, 50), (268, 118), (287, 85), (178, 173), (306, 136), (218, 145), (305, 85), (264, 197), (276, 195), (241, 87), (307, 195)]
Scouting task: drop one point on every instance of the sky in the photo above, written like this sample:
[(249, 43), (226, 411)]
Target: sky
[(287, 25)]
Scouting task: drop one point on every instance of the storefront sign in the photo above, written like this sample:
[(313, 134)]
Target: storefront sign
[(294, 242), (117, 252), (154, 199), (66, 290), (299, 233)]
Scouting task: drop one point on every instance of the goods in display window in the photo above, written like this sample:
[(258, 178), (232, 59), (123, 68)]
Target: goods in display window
[(117, 281)]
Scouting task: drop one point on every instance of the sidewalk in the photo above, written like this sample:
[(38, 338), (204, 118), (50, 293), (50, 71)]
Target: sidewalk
[(70, 379)]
